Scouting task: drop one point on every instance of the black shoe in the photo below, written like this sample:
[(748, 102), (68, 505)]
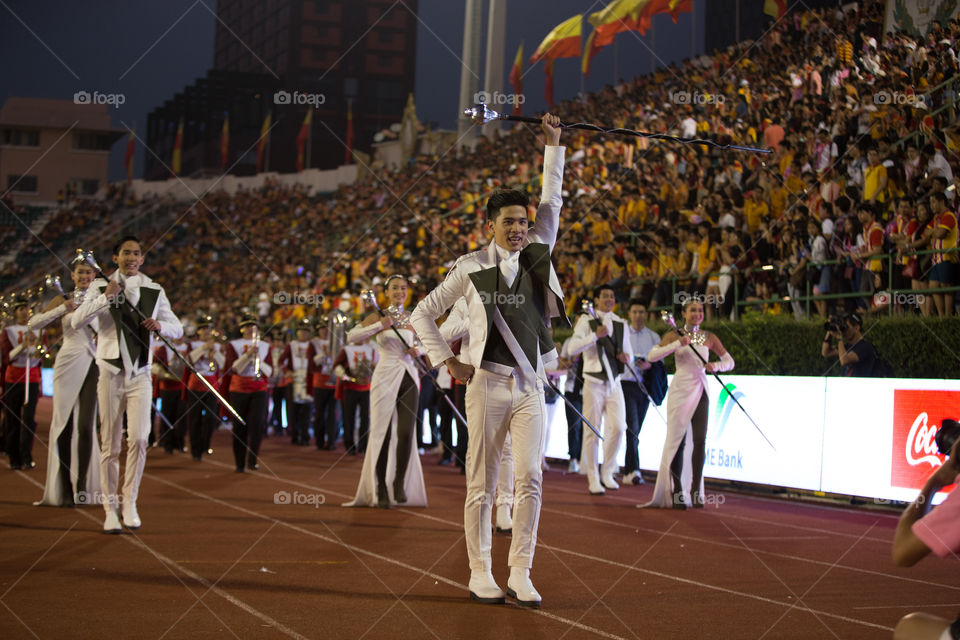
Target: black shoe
[(445, 461), (383, 499), (197, 458), (399, 496), (30, 464), (697, 500), (14, 467), (253, 467), (678, 502), (240, 469)]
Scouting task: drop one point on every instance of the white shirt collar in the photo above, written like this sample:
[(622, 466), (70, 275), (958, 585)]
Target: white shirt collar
[(505, 254)]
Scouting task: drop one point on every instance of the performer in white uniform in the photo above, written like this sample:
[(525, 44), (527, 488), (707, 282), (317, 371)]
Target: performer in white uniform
[(687, 406), (73, 472), (605, 346), (457, 327), (124, 357), (512, 293), (391, 471)]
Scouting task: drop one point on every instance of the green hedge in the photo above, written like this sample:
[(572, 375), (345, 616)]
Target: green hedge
[(779, 345)]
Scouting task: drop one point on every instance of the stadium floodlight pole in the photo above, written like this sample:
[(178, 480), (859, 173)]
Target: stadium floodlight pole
[(90, 260), (667, 317), (481, 114)]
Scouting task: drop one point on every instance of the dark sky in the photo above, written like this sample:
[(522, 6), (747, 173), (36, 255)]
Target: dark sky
[(149, 50)]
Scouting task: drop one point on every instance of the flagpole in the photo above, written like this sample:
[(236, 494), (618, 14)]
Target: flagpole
[(306, 163), (266, 147)]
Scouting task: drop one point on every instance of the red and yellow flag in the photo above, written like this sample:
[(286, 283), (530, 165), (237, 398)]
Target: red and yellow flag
[(302, 138), (175, 166), (224, 141), (128, 156), (616, 17), (562, 42), (516, 80), (262, 142), (775, 8)]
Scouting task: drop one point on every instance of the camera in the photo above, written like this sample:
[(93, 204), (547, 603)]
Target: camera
[(947, 435), (834, 324)]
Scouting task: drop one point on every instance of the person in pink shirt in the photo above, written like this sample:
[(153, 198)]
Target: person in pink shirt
[(773, 135), (921, 531)]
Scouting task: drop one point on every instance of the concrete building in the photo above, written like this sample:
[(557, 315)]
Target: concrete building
[(49, 145)]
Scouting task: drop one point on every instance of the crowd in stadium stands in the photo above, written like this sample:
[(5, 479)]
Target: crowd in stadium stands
[(864, 166)]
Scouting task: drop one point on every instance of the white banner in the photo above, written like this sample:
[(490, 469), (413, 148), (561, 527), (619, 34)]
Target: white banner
[(866, 437)]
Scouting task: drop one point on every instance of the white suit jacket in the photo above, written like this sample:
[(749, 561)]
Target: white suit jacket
[(148, 296), (460, 281), (584, 341)]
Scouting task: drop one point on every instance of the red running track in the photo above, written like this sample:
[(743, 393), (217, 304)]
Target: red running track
[(217, 556)]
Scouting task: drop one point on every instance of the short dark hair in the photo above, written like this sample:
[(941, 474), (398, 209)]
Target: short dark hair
[(505, 198), (601, 288), (636, 302), (124, 239), (940, 196)]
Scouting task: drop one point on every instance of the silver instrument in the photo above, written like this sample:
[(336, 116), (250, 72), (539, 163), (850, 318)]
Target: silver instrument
[(337, 325), (256, 353)]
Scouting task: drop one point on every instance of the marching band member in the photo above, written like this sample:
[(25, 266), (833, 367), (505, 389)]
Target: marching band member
[(354, 368), (279, 386), (394, 391), (20, 348), (124, 357), (73, 473), (168, 371), (512, 293), (295, 366), (248, 366), (203, 417), (322, 385)]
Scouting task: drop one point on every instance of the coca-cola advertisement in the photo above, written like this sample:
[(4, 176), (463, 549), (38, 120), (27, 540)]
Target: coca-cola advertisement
[(917, 414)]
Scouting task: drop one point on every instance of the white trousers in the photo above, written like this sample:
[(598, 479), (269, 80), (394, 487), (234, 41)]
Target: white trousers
[(115, 396), (602, 403), (505, 479), (495, 407)]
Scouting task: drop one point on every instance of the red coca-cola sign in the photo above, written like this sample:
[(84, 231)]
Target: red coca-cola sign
[(917, 414)]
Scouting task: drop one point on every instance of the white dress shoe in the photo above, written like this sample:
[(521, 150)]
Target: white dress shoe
[(595, 488), (609, 483), (484, 589), (504, 523), (131, 519), (573, 467), (111, 524), (520, 587)]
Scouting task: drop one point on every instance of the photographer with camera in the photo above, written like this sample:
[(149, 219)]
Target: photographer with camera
[(856, 354), (921, 531)]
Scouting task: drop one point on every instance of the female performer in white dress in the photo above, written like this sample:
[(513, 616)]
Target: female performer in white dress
[(394, 394), (687, 407), (73, 470)]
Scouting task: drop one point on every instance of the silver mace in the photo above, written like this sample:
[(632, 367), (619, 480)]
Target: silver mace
[(90, 260), (481, 114), (587, 307), (368, 296), (667, 317)]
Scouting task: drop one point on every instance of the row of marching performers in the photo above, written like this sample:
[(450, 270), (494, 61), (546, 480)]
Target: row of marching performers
[(243, 368)]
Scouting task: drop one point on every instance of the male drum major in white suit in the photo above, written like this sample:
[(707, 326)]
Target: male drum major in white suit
[(605, 345), (512, 292), (124, 356)]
